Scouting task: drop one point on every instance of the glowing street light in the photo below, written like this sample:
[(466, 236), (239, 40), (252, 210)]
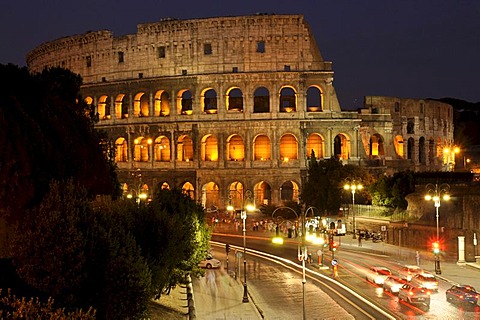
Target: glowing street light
[(353, 187), (437, 193)]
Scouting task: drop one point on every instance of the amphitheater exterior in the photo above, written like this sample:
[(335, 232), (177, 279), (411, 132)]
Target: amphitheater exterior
[(230, 109)]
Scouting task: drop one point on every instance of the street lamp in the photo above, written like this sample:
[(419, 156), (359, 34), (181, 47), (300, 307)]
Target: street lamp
[(449, 157), (302, 250), (250, 207), (353, 186), (436, 193)]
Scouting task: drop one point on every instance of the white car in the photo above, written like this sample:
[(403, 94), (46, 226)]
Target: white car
[(407, 272), (378, 275), (393, 284), (209, 263), (425, 280)]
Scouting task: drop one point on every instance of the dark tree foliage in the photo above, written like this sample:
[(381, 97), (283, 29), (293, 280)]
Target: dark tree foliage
[(47, 133), (390, 191), (172, 234), (81, 257), (324, 186)]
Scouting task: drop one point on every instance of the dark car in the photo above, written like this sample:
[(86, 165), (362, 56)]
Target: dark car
[(462, 294), (414, 295)]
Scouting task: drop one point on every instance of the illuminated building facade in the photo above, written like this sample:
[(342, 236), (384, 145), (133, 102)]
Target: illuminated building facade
[(219, 106)]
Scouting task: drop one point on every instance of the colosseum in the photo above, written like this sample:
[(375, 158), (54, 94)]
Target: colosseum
[(230, 109)]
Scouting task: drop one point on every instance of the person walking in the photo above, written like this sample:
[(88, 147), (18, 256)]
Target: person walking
[(359, 240), (417, 258)]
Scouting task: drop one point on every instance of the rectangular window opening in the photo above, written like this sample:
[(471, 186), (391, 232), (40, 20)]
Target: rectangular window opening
[(261, 46), (207, 48), (161, 52)]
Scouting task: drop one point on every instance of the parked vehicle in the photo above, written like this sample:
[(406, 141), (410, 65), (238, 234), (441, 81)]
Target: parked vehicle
[(378, 274), (407, 272), (462, 294), (425, 280), (393, 284), (414, 295)]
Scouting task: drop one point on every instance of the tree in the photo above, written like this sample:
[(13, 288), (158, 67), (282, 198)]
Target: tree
[(324, 186), (47, 133), (81, 257), (390, 191), (171, 232)]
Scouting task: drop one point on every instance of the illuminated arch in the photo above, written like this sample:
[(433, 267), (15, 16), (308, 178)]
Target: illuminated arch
[(377, 148), (121, 150), (289, 191), (235, 148), (184, 102), (121, 107), (315, 143), (235, 194), (189, 190), (210, 195), (261, 148), (341, 147), (185, 148), (399, 147), (141, 105), (288, 147), (162, 103), (161, 149), (209, 151), (103, 108), (141, 151), (263, 194)]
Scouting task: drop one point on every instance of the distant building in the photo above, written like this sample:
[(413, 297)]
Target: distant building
[(222, 106)]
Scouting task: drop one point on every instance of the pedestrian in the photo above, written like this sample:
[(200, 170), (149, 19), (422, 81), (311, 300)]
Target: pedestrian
[(359, 240), (417, 258)]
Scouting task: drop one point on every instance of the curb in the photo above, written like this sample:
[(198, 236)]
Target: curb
[(190, 299)]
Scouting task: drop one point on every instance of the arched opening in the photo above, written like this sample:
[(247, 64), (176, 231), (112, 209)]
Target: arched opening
[(121, 107), (431, 151), (377, 146), (261, 148), (189, 190), (410, 126), (422, 157), (288, 148), (162, 103), (185, 102), (210, 196), (315, 143), (410, 148), (209, 101), (185, 148), (104, 108), (261, 100), (263, 194), (235, 148), (234, 100), (289, 191), (235, 195), (141, 151), (314, 99), (209, 148), (140, 105), (288, 101), (162, 149), (164, 185), (341, 147), (121, 150), (399, 150)]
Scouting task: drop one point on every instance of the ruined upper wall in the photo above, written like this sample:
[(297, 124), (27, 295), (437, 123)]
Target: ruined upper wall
[(187, 47)]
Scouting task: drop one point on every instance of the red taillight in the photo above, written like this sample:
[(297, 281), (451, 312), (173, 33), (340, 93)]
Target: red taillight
[(461, 297)]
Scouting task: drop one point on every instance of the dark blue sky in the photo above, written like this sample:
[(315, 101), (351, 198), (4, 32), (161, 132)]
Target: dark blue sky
[(407, 48)]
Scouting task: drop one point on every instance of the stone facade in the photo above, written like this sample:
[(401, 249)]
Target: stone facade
[(233, 106)]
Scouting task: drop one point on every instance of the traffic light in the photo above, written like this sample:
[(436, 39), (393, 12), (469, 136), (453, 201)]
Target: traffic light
[(436, 247), (334, 246)]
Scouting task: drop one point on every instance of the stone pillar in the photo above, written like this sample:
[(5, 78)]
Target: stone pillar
[(461, 249)]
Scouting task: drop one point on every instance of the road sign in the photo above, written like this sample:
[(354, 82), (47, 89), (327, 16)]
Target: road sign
[(334, 262)]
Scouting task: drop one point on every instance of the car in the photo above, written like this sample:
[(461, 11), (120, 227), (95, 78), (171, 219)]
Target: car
[(414, 295), (393, 284), (425, 280), (407, 272), (209, 263), (378, 274), (462, 294)]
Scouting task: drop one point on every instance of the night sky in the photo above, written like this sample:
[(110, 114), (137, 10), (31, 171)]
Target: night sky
[(407, 48)]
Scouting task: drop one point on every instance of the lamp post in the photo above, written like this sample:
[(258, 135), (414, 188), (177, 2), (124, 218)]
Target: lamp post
[(353, 186), (449, 157), (249, 207), (436, 193), (302, 250)]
